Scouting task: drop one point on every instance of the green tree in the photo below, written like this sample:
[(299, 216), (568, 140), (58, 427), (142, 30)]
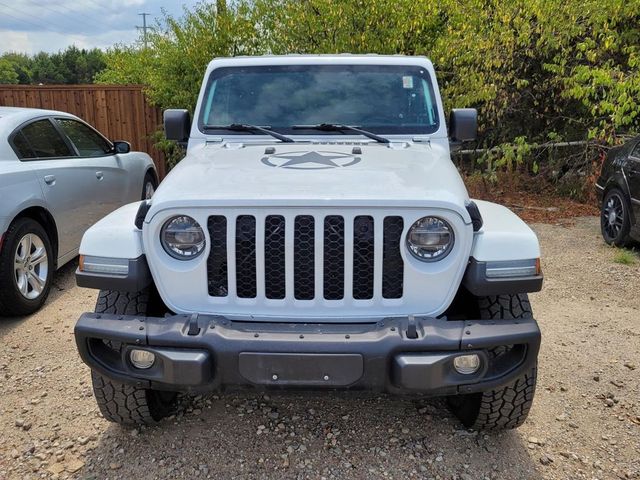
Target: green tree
[(7, 73), (45, 68), (353, 26), (126, 64), (21, 64), (71, 66)]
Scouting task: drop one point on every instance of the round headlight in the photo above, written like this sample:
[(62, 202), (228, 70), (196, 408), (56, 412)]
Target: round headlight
[(430, 239), (182, 237)]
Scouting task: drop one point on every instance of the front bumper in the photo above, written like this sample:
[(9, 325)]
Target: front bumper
[(397, 355)]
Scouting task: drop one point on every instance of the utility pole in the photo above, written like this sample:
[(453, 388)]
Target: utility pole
[(144, 27)]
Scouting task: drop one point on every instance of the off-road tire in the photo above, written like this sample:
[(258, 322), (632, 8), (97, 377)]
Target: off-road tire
[(123, 303), (508, 406), (119, 402), (12, 302), (129, 405)]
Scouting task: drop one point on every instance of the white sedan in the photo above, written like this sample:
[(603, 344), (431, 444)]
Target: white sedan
[(58, 176)]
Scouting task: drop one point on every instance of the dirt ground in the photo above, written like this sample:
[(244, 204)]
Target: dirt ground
[(585, 422)]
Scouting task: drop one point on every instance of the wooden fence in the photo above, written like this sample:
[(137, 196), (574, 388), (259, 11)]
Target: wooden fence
[(119, 112)]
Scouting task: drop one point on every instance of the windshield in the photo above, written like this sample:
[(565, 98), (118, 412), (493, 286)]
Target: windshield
[(391, 99)]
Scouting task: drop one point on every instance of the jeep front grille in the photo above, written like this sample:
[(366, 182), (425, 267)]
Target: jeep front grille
[(332, 257)]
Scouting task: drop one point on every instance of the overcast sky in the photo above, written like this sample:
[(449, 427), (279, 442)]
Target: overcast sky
[(31, 26)]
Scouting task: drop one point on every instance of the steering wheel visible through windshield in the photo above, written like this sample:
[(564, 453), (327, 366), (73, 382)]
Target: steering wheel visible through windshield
[(385, 99)]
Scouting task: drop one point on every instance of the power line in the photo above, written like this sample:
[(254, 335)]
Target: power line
[(46, 27), (96, 4), (91, 19), (27, 22), (144, 27)]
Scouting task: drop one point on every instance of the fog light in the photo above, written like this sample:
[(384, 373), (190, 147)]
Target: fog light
[(142, 359), (466, 364)]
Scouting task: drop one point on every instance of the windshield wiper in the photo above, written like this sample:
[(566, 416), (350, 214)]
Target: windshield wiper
[(336, 127), (241, 127)]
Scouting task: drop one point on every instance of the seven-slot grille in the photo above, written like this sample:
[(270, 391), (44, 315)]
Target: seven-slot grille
[(333, 257)]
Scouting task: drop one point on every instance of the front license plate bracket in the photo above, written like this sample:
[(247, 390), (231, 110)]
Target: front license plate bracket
[(301, 369)]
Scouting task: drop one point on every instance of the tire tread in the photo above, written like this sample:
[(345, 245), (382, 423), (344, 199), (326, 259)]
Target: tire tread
[(122, 303), (121, 403)]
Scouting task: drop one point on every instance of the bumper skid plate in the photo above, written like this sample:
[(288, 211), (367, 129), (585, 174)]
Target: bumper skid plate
[(397, 355)]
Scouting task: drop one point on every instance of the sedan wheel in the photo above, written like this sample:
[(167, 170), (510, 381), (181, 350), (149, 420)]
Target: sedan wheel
[(149, 190), (614, 218), (31, 265), (26, 268), (149, 186)]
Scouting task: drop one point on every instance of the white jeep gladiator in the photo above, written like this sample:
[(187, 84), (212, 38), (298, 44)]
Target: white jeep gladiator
[(316, 236)]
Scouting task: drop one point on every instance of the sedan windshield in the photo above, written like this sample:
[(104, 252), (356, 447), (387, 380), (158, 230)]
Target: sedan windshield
[(383, 99)]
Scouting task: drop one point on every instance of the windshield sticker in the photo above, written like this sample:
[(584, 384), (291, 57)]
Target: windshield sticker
[(407, 81)]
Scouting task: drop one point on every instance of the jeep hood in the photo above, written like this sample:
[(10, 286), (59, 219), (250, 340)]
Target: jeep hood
[(304, 174)]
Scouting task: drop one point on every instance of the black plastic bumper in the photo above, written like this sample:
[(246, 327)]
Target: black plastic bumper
[(397, 355)]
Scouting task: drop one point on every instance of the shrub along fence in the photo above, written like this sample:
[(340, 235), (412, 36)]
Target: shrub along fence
[(120, 112)]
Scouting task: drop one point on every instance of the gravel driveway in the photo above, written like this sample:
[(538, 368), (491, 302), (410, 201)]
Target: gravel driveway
[(585, 421)]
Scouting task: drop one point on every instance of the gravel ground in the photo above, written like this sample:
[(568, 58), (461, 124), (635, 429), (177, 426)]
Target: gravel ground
[(585, 422)]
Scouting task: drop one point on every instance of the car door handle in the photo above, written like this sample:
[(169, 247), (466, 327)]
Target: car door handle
[(49, 179), (99, 175)]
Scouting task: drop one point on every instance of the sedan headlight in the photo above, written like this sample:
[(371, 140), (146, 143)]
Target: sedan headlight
[(430, 239), (182, 237)]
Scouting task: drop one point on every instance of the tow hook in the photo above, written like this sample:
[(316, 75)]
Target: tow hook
[(194, 328), (412, 328)]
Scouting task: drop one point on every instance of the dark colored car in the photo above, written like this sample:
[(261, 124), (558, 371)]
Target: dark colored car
[(619, 193)]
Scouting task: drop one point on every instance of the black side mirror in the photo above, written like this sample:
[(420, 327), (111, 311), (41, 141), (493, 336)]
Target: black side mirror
[(120, 146), (463, 124), (177, 125)]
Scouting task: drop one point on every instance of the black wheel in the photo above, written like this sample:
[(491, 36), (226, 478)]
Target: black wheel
[(508, 406), (615, 219), (119, 402), (149, 186), (26, 268)]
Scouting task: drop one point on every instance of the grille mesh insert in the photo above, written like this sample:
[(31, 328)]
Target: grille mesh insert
[(333, 257), (392, 264), (304, 257), (217, 261), (274, 266), (246, 256), (363, 256)]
